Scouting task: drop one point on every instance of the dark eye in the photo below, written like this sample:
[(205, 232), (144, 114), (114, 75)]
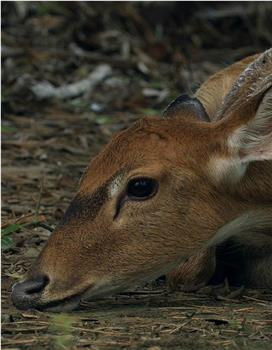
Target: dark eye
[(142, 188)]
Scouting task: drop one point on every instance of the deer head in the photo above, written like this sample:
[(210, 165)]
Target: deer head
[(157, 192)]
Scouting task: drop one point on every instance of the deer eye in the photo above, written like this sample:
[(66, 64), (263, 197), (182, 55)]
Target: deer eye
[(141, 188)]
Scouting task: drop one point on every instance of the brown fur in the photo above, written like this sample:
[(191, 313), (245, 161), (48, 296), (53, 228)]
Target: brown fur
[(100, 249)]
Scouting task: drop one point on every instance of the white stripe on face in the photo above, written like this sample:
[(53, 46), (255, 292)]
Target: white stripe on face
[(115, 186)]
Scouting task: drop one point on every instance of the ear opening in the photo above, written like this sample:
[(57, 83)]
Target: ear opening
[(245, 121), (253, 141), (184, 105), (244, 144)]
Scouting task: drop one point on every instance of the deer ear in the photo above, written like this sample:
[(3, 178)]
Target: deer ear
[(244, 123), (184, 105), (253, 141), (246, 143)]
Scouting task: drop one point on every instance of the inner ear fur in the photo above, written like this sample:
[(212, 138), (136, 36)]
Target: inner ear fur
[(185, 105), (243, 122), (246, 115), (253, 140)]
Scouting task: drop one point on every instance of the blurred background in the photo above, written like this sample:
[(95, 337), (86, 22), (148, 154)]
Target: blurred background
[(154, 49), (74, 73)]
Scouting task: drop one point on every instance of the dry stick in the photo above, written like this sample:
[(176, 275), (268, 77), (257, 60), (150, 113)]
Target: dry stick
[(45, 226), (45, 89), (93, 57)]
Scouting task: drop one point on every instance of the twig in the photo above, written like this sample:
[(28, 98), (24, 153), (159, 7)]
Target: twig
[(115, 61), (45, 226), (45, 89)]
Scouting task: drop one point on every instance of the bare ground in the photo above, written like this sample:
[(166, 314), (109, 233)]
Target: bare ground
[(47, 144)]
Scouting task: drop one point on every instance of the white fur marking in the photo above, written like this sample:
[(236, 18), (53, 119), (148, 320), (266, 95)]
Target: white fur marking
[(115, 185), (229, 169)]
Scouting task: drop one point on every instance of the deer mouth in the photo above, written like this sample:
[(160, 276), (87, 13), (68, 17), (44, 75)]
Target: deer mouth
[(72, 302), (63, 305)]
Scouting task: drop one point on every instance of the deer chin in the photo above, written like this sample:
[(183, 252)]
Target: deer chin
[(63, 305), (103, 288), (112, 286)]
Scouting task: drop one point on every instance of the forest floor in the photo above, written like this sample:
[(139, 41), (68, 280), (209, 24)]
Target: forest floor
[(47, 143)]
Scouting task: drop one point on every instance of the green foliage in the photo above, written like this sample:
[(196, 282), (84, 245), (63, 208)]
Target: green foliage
[(8, 129), (10, 229), (6, 239), (149, 112), (6, 242), (49, 8), (6, 233), (103, 119), (61, 325), (79, 103)]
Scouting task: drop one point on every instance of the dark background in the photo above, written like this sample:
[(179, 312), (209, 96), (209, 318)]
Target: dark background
[(170, 45)]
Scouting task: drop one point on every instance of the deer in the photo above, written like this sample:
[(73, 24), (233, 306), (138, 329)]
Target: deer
[(187, 194)]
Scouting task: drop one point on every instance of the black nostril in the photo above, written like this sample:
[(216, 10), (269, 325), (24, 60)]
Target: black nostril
[(26, 294), (37, 285)]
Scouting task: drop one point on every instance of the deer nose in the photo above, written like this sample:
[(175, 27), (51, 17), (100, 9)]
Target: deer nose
[(26, 295)]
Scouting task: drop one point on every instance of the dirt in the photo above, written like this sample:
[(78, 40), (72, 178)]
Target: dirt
[(47, 143)]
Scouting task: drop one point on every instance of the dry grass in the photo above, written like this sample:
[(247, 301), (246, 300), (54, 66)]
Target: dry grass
[(151, 319)]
